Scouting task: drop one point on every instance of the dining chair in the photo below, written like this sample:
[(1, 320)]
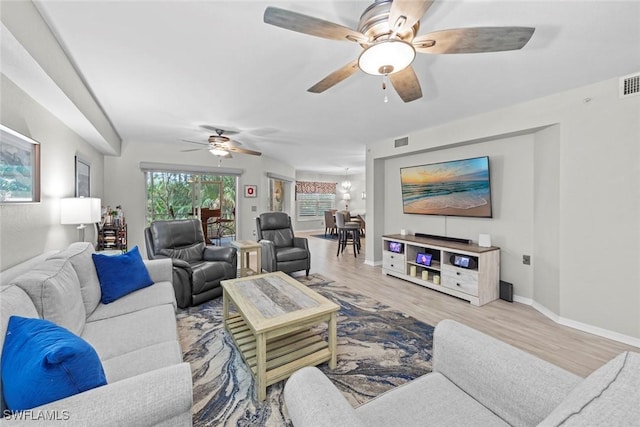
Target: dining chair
[(347, 232), (329, 223)]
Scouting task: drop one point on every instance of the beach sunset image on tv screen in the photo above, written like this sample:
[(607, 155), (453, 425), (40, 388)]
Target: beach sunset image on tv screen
[(458, 188)]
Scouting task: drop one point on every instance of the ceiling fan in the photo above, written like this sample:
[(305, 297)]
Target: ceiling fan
[(387, 31), (221, 146)]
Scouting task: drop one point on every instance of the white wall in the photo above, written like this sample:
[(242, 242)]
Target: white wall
[(511, 166), (29, 229), (583, 177), (357, 204), (125, 184)]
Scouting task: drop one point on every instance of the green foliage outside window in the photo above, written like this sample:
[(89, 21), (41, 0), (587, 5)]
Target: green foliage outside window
[(172, 195)]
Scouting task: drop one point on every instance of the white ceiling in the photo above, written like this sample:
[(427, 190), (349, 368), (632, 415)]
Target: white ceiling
[(161, 69)]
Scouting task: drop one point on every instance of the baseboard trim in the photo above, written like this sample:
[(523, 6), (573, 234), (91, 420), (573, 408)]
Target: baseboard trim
[(584, 327), (612, 335), (372, 263), (522, 300)]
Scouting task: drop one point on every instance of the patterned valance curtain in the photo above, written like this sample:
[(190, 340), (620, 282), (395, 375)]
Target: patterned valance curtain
[(312, 187)]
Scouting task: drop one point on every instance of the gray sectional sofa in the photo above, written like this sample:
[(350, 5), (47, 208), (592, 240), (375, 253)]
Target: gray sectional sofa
[(135, 338), (478, 381)]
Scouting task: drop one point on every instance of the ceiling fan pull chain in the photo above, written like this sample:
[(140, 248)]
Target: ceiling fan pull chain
[(385, 78)]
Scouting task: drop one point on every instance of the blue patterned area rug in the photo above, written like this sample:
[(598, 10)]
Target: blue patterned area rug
[(378, 348)]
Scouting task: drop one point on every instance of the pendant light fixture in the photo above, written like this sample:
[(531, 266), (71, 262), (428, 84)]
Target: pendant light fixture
[(346, 184)]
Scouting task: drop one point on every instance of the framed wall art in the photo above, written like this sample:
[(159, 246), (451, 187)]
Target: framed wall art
[(83, 177), (250, 191), (277, 195), (19, 167)]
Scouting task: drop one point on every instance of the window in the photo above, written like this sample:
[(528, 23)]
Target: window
[(181, 195), (19, 167), (313, 198)]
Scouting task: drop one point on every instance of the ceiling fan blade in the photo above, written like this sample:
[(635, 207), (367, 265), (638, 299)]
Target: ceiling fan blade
[(335, 77), (407, 85), (411, 11), (474, 40), (309, 25), (195, 142), (193, 149), (244, 151)]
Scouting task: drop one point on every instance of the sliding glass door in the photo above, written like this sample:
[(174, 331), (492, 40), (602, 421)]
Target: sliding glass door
[(182, 195)]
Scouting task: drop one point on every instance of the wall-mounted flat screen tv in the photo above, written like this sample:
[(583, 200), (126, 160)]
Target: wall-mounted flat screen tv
[(456, 188)]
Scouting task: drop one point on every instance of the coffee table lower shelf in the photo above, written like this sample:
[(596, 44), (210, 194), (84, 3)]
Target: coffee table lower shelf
[(285, 354)]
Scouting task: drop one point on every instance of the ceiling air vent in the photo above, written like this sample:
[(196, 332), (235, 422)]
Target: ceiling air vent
[(401, 142), (630, 85)]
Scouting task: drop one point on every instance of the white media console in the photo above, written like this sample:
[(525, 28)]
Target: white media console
[(475, 278)]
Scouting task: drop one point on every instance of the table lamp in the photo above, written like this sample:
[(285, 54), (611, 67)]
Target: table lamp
[(80, 210)]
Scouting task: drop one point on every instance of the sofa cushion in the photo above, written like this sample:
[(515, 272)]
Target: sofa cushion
[(609, 396), (79, 254), (517, 386), (122, 334), (143, 360), (54, 288), (291, 254), (159, 294), (427, 401), (10, 274), (120, 275), (43, 362)]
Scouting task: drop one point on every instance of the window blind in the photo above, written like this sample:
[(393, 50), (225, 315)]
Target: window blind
[(313, 198)]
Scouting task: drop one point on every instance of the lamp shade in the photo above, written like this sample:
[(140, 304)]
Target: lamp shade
[(80, 210), (346, 196)]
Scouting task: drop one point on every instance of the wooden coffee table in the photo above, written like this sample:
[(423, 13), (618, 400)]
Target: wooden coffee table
[(272, 326)]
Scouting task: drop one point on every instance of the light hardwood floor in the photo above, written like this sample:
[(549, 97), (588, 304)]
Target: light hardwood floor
[(515, 323)]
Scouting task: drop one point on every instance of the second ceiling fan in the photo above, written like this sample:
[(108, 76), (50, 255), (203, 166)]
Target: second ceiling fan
[(387, 31), (221, 145)]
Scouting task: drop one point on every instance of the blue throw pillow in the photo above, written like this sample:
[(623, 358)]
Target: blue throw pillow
[(43, 362), (120, 275)]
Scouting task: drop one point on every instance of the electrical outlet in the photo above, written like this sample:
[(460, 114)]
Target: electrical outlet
[(254, 233), (526, 259), (254, 209)]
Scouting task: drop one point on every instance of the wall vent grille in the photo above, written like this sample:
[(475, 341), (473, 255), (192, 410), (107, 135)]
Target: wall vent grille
[(401, 142), (630, 85)]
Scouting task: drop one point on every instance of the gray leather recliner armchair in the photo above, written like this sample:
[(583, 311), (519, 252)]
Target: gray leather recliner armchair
[(198, 268), (281, 250)]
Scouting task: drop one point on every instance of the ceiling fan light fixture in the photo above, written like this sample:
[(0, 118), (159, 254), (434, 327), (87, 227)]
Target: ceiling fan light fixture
[(386, 57), (218, 152)]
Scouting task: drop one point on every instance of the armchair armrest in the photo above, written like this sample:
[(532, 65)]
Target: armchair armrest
[(160, 397), (159, 269), (268, 255), (312, 400), (301, 242), (180, 263), (219, 253), (517, 386)]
